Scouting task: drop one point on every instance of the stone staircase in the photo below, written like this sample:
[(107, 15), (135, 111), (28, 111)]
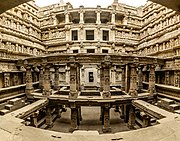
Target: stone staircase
[(169, 105), (12, 105)]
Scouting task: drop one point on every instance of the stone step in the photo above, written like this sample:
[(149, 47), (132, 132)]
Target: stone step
[(166, 102), (152, 120), (4, 111), (9, 107), (177, 111), (173, 107), (15, 101), (159, 103)]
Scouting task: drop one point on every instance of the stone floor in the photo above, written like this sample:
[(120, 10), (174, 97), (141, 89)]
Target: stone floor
[(91, 121)]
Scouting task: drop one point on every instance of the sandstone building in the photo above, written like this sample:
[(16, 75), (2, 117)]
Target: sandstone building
[(120, 57)]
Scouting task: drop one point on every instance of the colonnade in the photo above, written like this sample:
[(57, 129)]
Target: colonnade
[(132, 79)]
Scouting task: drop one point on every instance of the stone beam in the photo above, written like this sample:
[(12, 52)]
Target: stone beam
[(151, 110), (8, 4), (28, 110), (172, 4)]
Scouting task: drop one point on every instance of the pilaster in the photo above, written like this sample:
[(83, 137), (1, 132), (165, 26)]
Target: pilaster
[(106, 118), (6, 79), (29, 86), (140, 78), (56, 77), (133, 81)]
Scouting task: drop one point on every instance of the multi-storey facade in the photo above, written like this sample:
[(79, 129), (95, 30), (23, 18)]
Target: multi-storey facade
[(152, 30), (81, 57)]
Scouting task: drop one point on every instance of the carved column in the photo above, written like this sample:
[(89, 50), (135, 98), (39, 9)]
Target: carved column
[(67, 75), (152, 80), (29, 85), (78, 78), (106, 119), (127, 78), (24, 77), (132, 116), (41, 77), (46, 84), (133, 81), (101, 79), (74, 118), (49, 121), (106, 89), (56, 77), (123, 78), (73, 79), (6, 79), (140, 78)]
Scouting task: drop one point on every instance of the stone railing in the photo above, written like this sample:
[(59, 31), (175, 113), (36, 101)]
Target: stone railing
[(168, 90)]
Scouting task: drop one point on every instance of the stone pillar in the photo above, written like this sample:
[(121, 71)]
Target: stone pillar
[(101, 79), (106, 119), (123, 78), (73, 83), (127, 78), (176, 79), (126, 113), (56, 78), (57, 111), (140, 78), (132, 117), (74, 119), (167, 78), (29, 86), (33, 118), (152, 80), (133, 81), (79, 115), (49, 119), (81, 14), (46, 84), (6, 79), (67, 75), (122, 112), (146, 120), (98, 12), (78, 83), (15, 79), (41, 77), (66, 17), (106, 89), (24, 77), (113, 19)]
